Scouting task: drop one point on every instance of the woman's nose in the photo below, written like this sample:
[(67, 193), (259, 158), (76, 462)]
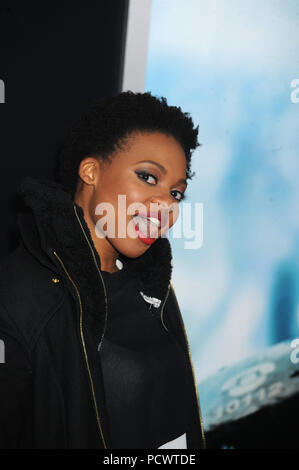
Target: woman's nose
[(163, 201), (168, 208)]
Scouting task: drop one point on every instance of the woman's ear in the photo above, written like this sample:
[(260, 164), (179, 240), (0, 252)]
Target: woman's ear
[(89, 171)]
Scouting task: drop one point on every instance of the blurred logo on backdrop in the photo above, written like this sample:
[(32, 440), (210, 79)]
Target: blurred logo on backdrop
[(254, 402)]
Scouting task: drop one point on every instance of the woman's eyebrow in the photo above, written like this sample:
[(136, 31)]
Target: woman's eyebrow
[(182, 180)]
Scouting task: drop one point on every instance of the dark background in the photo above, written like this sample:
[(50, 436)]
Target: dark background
[(56, 58)]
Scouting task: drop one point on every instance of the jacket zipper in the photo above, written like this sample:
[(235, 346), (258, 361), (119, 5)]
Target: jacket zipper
[(165, 327), (84, 349), (95, 262), (192, 369)]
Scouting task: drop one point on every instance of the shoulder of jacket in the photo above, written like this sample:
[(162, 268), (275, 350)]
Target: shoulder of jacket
[(30, 293)]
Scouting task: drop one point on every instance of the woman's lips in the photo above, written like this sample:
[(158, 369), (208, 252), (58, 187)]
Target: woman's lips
[(147, 231)]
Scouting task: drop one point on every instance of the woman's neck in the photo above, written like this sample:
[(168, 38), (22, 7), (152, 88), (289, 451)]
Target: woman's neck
[(107, 254)]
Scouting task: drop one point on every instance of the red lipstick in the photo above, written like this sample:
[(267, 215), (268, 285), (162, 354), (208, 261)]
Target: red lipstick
[(146, 215)]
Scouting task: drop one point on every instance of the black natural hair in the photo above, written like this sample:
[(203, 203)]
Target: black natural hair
[(103, 129)]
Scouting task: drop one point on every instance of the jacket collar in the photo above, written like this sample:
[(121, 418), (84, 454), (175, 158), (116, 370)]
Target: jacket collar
[(50, 223)]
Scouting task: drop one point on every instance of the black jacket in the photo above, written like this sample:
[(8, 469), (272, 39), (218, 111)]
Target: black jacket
[(52, 319)]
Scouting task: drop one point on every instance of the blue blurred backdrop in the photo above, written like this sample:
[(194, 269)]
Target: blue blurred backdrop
[(230, 64)]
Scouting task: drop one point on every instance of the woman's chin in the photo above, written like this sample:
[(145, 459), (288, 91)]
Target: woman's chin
[(131, 248)]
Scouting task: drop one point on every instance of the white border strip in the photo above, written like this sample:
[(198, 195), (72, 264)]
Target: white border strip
[(135, 60)]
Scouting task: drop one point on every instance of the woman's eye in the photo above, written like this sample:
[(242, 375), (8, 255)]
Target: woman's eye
[(147, 177), (180, 197)]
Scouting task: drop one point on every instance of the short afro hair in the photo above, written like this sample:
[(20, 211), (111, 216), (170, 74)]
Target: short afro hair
[(103, 129)]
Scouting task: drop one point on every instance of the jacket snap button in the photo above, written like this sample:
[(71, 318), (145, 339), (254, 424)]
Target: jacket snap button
[(55, 280)]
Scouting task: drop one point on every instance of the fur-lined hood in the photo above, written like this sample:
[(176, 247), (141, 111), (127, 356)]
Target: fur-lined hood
[(51, 222)]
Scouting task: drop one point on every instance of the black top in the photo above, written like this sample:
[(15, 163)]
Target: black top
[(144, 369)]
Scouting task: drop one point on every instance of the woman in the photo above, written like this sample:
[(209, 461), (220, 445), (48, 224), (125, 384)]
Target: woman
[(95, 349)]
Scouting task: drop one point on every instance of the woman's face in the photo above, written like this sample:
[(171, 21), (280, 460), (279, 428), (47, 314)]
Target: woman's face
[(147, 177)]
